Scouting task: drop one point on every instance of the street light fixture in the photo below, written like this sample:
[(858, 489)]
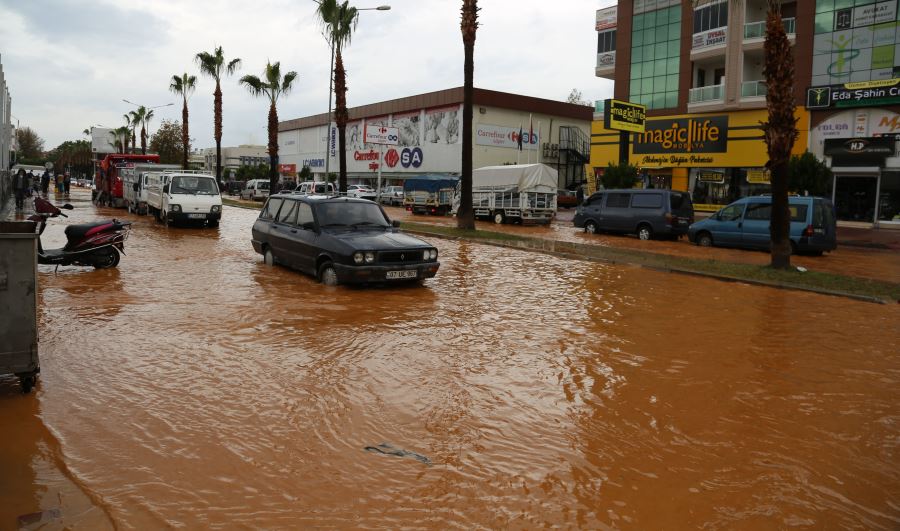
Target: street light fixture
[(148, 108), (331, 91)]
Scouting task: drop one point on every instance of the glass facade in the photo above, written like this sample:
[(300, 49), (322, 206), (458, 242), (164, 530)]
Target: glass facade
[(655, 54), (855, 40)]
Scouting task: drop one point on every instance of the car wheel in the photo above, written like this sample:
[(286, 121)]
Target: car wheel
[(499, 218), (644, 232), (165, 219), (704, 239), (590, 227), (269, 257), (327, 274), (213, 224)]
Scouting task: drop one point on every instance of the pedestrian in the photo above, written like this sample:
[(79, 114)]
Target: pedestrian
[(59, 184), (20, 185), (67, 184), (579, 194), (45, 182)]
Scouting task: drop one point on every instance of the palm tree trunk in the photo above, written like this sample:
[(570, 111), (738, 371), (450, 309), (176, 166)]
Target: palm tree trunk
[(780, 131), (341, 117), (273, 148), (143, 140), (465, 216), (185, 138), (217, 110)]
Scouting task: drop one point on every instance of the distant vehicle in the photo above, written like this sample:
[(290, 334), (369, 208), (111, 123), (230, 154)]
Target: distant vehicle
[(429, 194), (647, 213), (256, 190), (361, 191), (184, 195), (315, 188), (340, 240), (745, 223), (134, 191), (566, 199), (110, 186), (524, 193), (391, 195)]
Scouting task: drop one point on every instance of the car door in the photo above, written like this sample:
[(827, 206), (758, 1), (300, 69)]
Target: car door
[(592, 208), (755, 226), (284, 231), (306, 238), (616, 214), (726, 229)]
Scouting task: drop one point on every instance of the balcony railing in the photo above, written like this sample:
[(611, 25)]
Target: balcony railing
[(750, 89), (757, 30), (705, 94)]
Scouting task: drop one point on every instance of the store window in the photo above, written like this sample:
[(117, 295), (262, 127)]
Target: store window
[(655, 53), (715, 187), (889, 198)]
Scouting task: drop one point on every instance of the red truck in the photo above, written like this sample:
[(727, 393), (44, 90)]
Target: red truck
[(109, 178)]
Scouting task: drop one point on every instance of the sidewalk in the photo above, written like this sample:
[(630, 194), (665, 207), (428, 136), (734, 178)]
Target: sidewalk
[(8, 210), (871, 238)]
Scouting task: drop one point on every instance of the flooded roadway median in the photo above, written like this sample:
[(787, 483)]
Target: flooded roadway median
[(194, 386)]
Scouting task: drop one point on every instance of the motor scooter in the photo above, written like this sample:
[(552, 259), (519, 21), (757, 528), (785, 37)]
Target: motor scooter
[(91, 244)]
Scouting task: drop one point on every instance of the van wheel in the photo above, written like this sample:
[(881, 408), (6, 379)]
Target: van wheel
[(327, 274), (644, 232), (704, 239), (590, 227), (269, 257), (165, 219), (499, 218)]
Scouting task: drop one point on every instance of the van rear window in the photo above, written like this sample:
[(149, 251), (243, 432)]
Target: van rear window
[(680, 201), (798, 212), (646, 200)]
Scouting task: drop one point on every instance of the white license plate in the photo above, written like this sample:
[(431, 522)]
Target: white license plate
[(197, 216), (402, 274)]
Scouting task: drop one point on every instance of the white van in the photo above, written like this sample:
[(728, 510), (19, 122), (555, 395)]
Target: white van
[(134, 179), (256, 190), (184, 195), (315, 188)]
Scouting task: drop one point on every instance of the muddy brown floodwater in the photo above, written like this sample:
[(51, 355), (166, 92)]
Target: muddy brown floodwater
[(195, 387)]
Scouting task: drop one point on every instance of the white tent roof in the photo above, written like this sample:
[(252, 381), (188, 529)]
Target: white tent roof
[(530, 177)]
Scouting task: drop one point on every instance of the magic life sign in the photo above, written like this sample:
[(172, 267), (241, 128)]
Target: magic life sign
[(706, 134), (858, 94), (623, 116)]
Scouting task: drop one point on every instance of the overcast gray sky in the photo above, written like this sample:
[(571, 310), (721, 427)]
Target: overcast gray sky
[(69, 63)]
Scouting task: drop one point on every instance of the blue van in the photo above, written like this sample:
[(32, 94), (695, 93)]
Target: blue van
[(745, 224)]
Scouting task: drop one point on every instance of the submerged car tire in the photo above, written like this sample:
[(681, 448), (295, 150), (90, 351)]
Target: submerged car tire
[(499, 218), (704, 239), (213, 224), (269, 257), (105, 258), (644, 232), (590, 227), (327, 274)]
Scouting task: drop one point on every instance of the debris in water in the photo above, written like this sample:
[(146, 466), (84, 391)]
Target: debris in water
[(801, 269), (387, 449)]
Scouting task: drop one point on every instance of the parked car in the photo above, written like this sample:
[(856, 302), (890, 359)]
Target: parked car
[(315, 188), (566, 199), (647, 213), (361, 191), (391, 195), (340, 240), (745, 223), (255, 190)]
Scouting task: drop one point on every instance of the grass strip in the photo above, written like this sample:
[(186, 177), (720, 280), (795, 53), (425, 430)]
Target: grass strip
[(816, 281)]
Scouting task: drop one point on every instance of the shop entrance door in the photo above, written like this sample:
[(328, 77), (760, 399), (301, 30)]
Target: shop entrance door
[(854, 198)]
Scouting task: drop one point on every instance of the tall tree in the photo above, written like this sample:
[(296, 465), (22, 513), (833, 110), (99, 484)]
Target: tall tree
[(338, 21), (465, 216), (121, 134), (184, 85), (127, 138), (214, 65), (780, 131), (135, 121), (31, 146), (145, 128), (167, 142), (272, 85)]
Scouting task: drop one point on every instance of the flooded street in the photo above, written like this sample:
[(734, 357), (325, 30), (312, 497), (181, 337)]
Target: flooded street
[(195, 387)]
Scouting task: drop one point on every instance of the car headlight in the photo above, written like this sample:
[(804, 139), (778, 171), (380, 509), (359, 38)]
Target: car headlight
[(430, 254), (370, 257), (358, 257), (217, 208), (175, 208)]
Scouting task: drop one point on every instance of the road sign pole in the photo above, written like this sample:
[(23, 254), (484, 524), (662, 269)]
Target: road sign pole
[(380, 162)]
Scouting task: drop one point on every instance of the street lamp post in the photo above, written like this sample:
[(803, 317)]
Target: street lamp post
[(331, 91)]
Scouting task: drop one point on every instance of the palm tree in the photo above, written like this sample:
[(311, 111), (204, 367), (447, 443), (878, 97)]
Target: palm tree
[(465, 216), (128, 128), (213, 65), (184, 85), (135, 121), (272, 86), (780, 131), (121, 138), (338, 21)]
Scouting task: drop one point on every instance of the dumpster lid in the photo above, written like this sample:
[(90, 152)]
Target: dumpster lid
[(17, 227)]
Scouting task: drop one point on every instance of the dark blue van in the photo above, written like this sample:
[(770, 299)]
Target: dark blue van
[(745, 224)]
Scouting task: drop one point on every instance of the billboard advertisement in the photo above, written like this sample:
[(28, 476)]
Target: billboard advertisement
[(505, 137)]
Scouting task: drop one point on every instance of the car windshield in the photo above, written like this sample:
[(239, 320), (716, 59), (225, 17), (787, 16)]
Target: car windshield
[(350, 214), (194, 185)]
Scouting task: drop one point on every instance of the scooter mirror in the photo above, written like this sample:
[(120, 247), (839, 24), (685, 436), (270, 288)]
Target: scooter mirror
[(67, 206)]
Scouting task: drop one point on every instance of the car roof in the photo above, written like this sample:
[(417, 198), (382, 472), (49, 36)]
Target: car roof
[(321, 198)]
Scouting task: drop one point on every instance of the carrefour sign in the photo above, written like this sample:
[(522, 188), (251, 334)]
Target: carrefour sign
[(506, 137), (380, 134)]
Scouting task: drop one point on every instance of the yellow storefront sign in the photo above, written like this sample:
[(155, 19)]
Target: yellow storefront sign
[(624, 116), (758, 176)]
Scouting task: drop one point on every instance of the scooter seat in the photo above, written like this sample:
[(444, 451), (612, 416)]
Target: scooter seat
[(76, 232)]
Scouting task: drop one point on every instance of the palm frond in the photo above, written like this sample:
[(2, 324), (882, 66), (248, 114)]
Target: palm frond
[(288, 81), (255, 85), (233, 65)]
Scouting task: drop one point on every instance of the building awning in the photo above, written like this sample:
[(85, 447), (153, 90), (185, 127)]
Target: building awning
[(868, 171)]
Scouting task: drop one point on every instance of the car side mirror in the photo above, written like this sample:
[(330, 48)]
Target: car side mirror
[(165, 188), (395, 223)]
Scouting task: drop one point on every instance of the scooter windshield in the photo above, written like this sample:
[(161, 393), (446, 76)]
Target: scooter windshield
[(194, 185)]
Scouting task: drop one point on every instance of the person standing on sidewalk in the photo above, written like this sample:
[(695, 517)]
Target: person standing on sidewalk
[(67, 184), (45, 182), (20, 186)]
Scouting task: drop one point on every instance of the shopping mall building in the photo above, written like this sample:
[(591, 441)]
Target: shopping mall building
[(430, 142), (698, 66)]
